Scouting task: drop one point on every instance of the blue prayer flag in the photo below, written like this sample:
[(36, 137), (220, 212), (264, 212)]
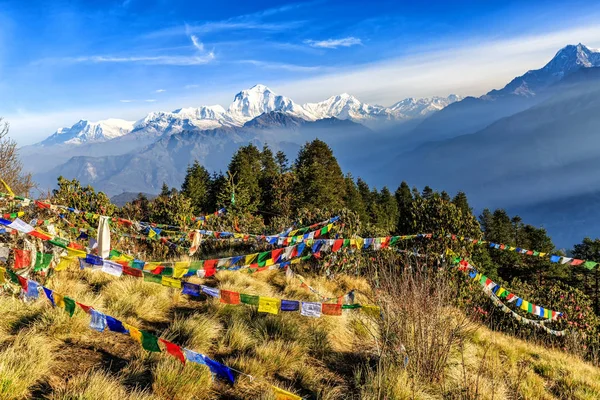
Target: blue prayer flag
[(191, 289), (115, 325), (290, 305), (49, 295)]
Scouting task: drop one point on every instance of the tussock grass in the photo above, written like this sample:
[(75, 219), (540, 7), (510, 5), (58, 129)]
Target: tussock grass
[(96, 385), (356, 355), (24, 363)]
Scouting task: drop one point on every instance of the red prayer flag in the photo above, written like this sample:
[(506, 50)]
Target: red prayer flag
[(22, 258), (157, 270), (23, 282), (210, 267), (173, 350), (127, 270), (40, 235), (229, 297), (42, 205), (331, 309), (337, 244), (576, 262), (276, 254), (84, 307), (385, 242)]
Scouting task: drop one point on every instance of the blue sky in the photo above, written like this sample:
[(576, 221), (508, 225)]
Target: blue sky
[(62, 61)]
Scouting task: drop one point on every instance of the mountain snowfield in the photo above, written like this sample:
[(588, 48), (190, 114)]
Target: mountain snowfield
[(247, 105), (91, 132)]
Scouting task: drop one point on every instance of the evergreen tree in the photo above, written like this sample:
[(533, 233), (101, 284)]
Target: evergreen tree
[(389, 209), (164, 190), (282, 162), (404, 201), (196, 186), (427, 192), (245, 168), (445, 196), (353, 199), (217, 185), (320, 180), (367, 199), (460, 201)]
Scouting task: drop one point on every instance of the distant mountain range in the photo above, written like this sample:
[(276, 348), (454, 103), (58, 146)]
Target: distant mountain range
[(247, 105), (529, 146)]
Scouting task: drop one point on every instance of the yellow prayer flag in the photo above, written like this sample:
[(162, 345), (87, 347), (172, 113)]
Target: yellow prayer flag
[(293, 233), (180, 269), (524, 305), (500, 291), (2, 278), (76, 253), (250, 258), (268, 305), (151, 266), (170, 282), (134, 332), (542, 254), (64, 263), (269, 262), (296, 260), (59, 300), (8, 189), (281, 394), (373, 311), (360, 243), (352, 242)]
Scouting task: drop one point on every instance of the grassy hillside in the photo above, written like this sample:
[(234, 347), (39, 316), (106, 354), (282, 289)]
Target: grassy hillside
[(46, 354)]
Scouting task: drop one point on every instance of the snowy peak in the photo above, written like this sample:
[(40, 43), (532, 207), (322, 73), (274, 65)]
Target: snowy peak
[(259, 99), (90, 132), (566, 61), (570, 58), (415, 108), (345, 106)]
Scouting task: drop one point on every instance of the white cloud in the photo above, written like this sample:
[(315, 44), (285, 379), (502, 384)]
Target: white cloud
[(197, 43), (148, 60), (471, 68), (281, 66), (160, 90), (126, 101), (334, 43), (191, 86), (150, 100)]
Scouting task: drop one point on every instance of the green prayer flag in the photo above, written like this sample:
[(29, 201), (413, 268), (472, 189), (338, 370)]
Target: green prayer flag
[(13, 277), (60, 242), (167, 271), (42, 261), (249, 299), (346, 243), (394, 240), (263, 257), (150, 342), (324, 230), (69, 305), (148, 277), (350, 306), (590, 264), (114, 253), (196, 265)]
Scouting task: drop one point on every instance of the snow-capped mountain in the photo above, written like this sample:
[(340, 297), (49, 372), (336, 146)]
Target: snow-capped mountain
[(90, 132), (566, 61), (345, 106), (259, 99), (247, 105), (415, 108)]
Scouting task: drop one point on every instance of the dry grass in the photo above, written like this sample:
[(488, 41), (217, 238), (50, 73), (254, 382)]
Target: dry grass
[(46, 354)]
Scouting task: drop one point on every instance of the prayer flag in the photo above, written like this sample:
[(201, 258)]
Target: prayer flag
[(194, 357), (149, 342), (219, 369), (49, 295), (268, 305), (332, 309), (170, 282), (191, 289), (249, 299), (281, 394), (173, 350), (134, 332), (32, 289), (311, 309), (229, 297), (149, 277), (22, 258), (98, 320), (69, 305), (115, 325), (290, 305), (213, 292)]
